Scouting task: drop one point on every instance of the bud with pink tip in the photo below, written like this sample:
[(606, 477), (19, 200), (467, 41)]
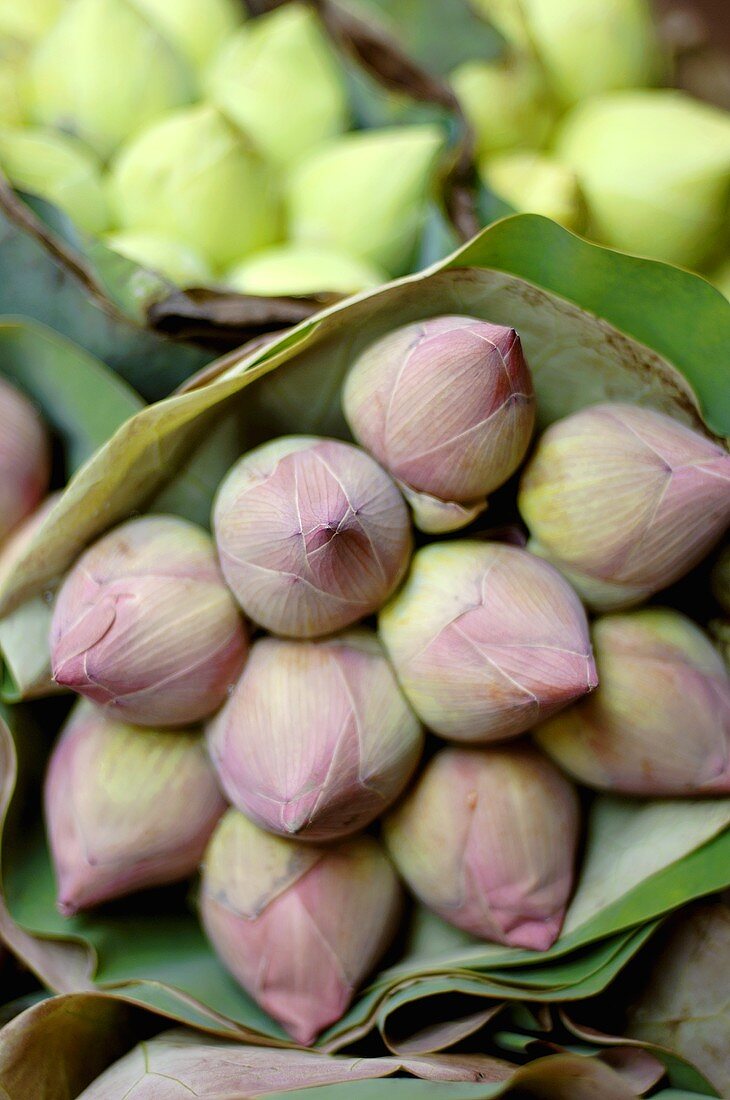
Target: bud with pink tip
[(298, 926), (624, 500), (126, 808), (487, 838), (145, 626), (317, 738), (447, 406), (312, 535), (486, 640), (25, 458), (659, 723)]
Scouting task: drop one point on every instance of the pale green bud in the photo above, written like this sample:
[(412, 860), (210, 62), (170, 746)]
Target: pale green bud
[(58, 168), (366, 194), (12, 87), (27, 20), (176, 261), (506, 102), (302, 269), (196, 178), (654, 167), (586, 46), (197, 28), (536, 184), (279, 79), (103, 72)]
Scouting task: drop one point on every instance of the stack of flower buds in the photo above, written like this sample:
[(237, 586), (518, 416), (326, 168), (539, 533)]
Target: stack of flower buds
[(307, 735), (212, 148)]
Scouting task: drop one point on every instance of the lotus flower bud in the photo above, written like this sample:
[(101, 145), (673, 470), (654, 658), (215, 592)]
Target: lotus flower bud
[(25, 458), (535, 184), (26, 22), (642, 195), (196, 178), (144, 625), (487, 839), (126, 808), (12, 100), (624, 500), (486, 640), (505, 101), (302, 269), (297, 925), (316, 739), (354, 173), (312, 535), (57, 168), (197, 28), (684, 1003), (280, 81), (103, 71), (177, 262), (447, 406), (659, 723), (585, 46)]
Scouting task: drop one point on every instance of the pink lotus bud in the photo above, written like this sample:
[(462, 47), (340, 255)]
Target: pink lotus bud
[(486, 640), (145, 626), (487, 839), (317, 738), (126, 808), (624, 501), (659, 724), (25, 458), (447, 406), (298, 926), (312, 535)]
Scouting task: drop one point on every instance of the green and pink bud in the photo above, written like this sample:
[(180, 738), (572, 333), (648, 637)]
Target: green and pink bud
[(486, 640), (625, 501), (298, 926), (317, 738), (312, 535), (126, 808), (25, 458), (145, 627), (659, 723), (487, 839), (446, 405)]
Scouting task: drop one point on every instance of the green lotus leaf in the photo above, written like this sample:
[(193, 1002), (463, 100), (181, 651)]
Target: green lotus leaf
[(45, 276)]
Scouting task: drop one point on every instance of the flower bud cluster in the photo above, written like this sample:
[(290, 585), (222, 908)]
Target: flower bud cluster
[(362, 647), (212, 148)]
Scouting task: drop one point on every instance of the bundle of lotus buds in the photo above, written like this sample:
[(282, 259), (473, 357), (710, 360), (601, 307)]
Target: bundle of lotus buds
[(283, 690), (213, 149)]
